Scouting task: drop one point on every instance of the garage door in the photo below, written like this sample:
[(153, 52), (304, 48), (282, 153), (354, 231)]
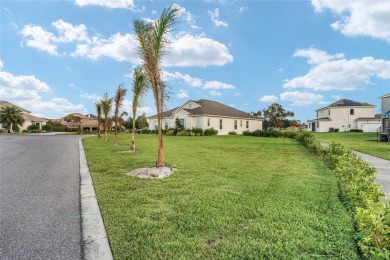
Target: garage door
[(370, 127)]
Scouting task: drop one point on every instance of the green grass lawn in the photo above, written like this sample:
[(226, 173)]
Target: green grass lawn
[(233, 197), (362, 142)]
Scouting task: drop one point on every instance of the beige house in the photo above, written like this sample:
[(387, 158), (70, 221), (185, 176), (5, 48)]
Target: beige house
[(345, 115), (87, 122), (29, 119), (208, 114), (385, 112)]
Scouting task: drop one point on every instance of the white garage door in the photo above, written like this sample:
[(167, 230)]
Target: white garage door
[(370, 127)]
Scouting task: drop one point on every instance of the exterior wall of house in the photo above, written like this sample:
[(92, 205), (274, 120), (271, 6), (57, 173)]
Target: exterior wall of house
[(190, 105), (342, 117), (385, 104)]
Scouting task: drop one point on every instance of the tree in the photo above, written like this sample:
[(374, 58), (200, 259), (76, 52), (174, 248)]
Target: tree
[(152, 38), (140, 88), (98, 106), (275, 113), (128, 123), (71, 118), (256, 114), (141, 122), (11, 116), (106, 104), (119, 96)]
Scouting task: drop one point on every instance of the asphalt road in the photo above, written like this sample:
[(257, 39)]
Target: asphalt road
[(39, 197)]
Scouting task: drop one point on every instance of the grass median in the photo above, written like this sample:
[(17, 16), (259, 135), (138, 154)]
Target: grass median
[(232, 197)]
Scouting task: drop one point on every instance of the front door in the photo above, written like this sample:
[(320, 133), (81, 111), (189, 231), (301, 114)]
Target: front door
[(313, 127)]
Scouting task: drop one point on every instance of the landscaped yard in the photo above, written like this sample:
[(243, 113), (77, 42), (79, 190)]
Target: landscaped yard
[(362, 142), (233, 197)]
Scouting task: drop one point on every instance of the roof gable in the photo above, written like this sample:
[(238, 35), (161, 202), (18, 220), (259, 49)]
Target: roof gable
[(346, 103)]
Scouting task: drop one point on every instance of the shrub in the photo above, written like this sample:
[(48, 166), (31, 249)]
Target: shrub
[(33, 128), (247, 133), (1, 131), (356, 130), (197, 131), (210, 131), (336, 130), (169, 132), (232, 133), (47, 128)]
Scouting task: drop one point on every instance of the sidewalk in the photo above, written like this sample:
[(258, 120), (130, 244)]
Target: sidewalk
[(383, 167)]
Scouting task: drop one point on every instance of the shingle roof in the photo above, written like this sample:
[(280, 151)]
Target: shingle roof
[(208, 107), (348, 103), (29, 117), (8, 104)]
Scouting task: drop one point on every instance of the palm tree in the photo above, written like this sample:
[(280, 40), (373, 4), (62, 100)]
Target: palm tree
[(11, 116), (106, 104), (152, 38), (140, 88), (119, 95), (98, 106)]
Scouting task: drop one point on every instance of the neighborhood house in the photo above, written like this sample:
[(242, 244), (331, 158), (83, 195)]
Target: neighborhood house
[(385, 112), (206, 114), (87, 122), (28, 118), (345, 115)]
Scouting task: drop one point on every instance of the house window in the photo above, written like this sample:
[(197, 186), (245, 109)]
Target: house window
[(247, 124), (235, 124), (317, 114), (240, 123), (155, 124), (328, 112), (183, 122), (166, 125), (318, 124), (220, 124), (198, 122), (352, 111), (208, 121)]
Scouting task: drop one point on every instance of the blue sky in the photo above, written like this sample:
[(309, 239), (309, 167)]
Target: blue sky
[(60, 57)]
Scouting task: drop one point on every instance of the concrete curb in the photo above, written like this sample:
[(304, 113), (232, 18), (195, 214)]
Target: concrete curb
[(95, 241)]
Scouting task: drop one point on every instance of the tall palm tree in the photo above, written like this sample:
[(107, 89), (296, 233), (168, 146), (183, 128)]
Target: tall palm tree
[(140, 88), (119, 96), (152, 38), (106, 104), (98, 106), (11, 116)]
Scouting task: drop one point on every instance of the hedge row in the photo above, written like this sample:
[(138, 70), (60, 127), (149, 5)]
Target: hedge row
[(359, 193)]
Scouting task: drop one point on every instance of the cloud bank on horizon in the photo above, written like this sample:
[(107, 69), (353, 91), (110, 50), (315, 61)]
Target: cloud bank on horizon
[(218, 51)]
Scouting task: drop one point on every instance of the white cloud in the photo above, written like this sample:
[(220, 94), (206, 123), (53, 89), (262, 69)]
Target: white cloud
[(340, 74), (301, 98), (1, 64), (215, 18), (25, 90), (189, 50), (91, 96), (71, 85), (359, 18), (315, 56), (280, 70), (119, 47), (182, 94), (128, 107), (217, 85), (36, 37), (215, 93), (269, 98), (187, 16), (107, 3), (193, 82), (243, 9)]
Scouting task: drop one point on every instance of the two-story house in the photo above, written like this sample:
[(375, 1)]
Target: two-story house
[(209, 114), (345, 115), (385, 112)]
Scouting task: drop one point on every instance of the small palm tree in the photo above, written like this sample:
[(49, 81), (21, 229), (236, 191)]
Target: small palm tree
[(152, 38), (140, 88), (106, 104), (71, 118), (11, 116), (99, 115), (119, 96)]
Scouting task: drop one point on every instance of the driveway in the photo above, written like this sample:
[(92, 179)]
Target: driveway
[(39, 197)]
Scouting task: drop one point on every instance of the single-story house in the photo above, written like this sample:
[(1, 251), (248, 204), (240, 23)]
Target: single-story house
[(206, 114), (87, 122), (29, 119), (345, 115)]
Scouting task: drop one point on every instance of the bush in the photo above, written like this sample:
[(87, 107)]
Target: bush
[(336, 130), (197, 131), (247, 133), (1, 131), (47, 128), (33, 128), (232, 133), (356, 130), (210, 131)]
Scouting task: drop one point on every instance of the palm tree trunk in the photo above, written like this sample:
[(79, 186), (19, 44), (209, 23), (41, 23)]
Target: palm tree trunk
[(160, 156), (105, 129), (132, 147), (10, 128)]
